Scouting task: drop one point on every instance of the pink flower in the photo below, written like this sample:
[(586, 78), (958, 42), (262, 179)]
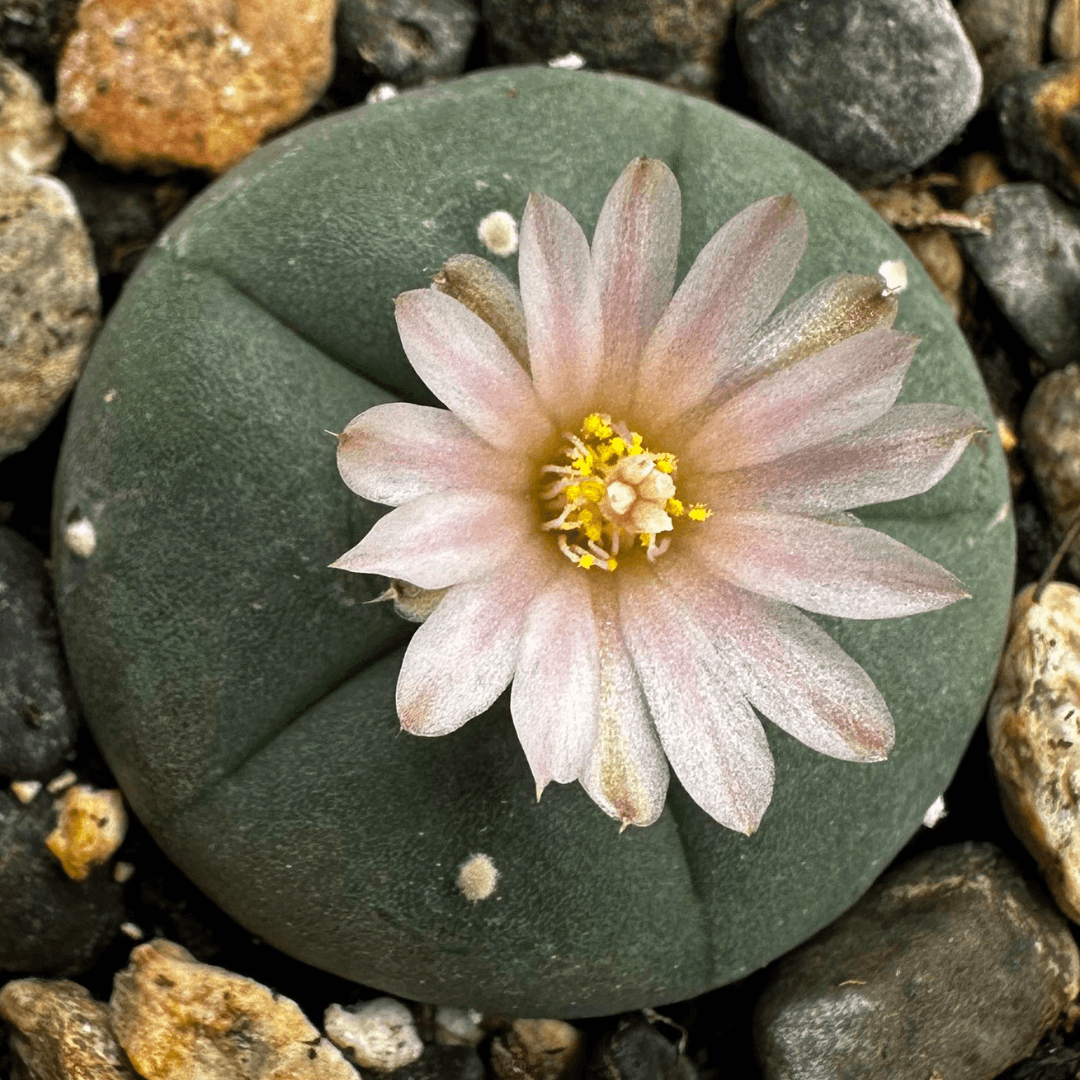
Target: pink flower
[(630, 494)]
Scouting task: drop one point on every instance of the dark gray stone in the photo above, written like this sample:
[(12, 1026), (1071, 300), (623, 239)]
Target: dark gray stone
[(874, 88), (1007, 36), (952, 965), (38, 712), (50, 924), (32, 33), (677, 42), (1039, 114), (406, 41), (1031, 265), (443, 1063), (635, 1050)]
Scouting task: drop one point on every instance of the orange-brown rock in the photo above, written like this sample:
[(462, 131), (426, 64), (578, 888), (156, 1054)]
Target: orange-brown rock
[(190, 83)]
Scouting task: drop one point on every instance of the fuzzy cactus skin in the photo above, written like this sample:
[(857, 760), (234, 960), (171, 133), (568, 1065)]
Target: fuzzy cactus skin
[(243, 695)]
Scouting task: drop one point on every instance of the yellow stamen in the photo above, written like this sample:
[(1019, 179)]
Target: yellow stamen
[(699, 512), (675, 508), (586, 561)]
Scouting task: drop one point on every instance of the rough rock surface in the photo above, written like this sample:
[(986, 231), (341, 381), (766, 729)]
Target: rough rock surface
[(1064, 37), (190, 83), (31, 33), (177, 1018), (50, 924), (90, 828), (59, 1032), (38, 711), (30, 138), (1034, 733), (872, 87), (1030, 262), (1039, 114), (538, 1049), (48, 303), (1007, 36), (636, 1050), (672, 41), (379, 1034), (952, 965), (406, 41)]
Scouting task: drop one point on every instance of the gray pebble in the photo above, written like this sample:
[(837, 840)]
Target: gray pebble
[(635, 1050), (1031, 265), (38, 711), (444, 1063), (952, 965), (1039, 115), (32, 33), (1007, 36), (51, 924), (406, 41), (677, 42), (874, 88)]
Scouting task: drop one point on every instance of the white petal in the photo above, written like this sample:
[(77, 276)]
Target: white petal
[(466, 365), (627, 773), (555, 696), (397, 452), (712, 738), (463, 657), (446, 538)]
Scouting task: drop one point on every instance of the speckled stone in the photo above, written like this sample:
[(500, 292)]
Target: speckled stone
[(38, 712), (32, 33), (1030, 263), (636, 1050), (952, 965), (1007, 36), (30, 138), (190, 83), (677, 42), (1064, 37), (874, 88), (48, 303), (406, 41), (1039, 115)]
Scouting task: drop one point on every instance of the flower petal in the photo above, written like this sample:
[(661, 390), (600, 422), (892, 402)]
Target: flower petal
[(839, 307), (555, 696), (486, 291), (904, 453), (463, 657), (397, 452), (445, 538), (842, 569), (626, 774), (562, 309), (715, 743), (465, 364), (733, 286), (792, 671), (833, 393), (634, 251)]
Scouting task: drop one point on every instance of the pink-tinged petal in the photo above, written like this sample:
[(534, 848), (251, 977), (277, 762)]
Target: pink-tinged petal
[(562, 309), (839, 307), (904, 453), (634, 250), (731, 289), (398, 452), (713, 740), (555, 696), (626, 774), (463, 657), (445, 538), (838, 391), (466, 365), (790, 669), (832, 568)]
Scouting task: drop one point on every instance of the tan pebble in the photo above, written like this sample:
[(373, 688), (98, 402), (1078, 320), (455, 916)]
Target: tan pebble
[(122, 871), (458, 1027), (939, 254), (132, 930), (25, 790), (1065, 30), (979, 172), (31, 140), (49, 299), (61, 782), (59, 1032), (1034, 728), (190, 83), (380, 1034), (80, 537), (91, 827), (477, 877), (538, 1050), (178, 1019)]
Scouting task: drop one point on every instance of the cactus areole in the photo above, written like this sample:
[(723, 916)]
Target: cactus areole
[(244, 693)]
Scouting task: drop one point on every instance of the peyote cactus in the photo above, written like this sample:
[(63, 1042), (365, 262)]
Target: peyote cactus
[(244, 694)]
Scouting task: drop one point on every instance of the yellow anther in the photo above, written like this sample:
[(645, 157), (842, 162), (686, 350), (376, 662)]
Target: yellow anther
[(699, 512), (583, 465), (595, 424), (593, 489), (593, 531), (675, 508), (617, 446), (665, 463), (635, 450), (573, 492), (645, 539), (612, 563), (586, 561)]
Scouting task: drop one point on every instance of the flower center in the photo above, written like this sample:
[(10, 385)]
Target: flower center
[(613, 491)]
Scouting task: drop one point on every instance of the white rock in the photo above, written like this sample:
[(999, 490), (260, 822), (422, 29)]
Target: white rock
[(381, 1034)]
